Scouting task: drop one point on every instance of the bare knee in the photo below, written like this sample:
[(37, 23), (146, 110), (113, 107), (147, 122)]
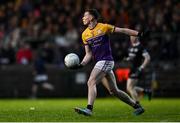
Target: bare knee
[(91, 83), (129, 89), (129, 86)]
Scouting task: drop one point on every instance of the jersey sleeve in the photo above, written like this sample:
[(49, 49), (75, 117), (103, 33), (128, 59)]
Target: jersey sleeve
[(144, 51), (83, 39), (109, 28)]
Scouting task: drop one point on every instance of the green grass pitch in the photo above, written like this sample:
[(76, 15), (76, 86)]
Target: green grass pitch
[(105, 110)]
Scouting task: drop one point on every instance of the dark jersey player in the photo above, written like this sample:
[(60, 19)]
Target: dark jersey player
[(139, 59)]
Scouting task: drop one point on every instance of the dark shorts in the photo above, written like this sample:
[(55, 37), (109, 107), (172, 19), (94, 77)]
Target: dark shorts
[(133, 74)]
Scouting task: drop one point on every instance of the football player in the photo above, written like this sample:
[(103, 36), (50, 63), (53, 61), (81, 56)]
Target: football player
[(97, 47), (139, 59)]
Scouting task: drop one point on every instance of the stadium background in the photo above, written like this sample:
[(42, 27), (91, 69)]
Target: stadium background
[(53, 28)]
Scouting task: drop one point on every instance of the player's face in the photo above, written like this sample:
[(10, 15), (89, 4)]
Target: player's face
[(87, 18)]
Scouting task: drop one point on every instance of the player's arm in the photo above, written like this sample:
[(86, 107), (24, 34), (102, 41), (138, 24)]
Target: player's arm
[(87, 56), (126, 31), (144, 64), (85, 60), (146, 61), (131, 32)]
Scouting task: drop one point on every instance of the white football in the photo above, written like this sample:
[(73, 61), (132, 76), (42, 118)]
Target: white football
[(71, 59)]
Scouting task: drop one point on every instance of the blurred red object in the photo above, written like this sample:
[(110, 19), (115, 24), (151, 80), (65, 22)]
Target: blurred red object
[(122, 74)]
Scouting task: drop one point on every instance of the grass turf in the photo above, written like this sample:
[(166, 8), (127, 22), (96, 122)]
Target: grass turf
[(106, 110)]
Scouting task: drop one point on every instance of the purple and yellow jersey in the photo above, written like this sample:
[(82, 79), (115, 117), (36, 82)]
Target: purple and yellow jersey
[(98, 41)]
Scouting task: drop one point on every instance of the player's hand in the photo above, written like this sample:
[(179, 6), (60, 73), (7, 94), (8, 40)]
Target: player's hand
[(143, 34), (139, 71), (78, 66)]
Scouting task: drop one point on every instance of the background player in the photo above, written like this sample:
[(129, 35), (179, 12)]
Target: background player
[(97, 45), (40, 76), (139, 58)]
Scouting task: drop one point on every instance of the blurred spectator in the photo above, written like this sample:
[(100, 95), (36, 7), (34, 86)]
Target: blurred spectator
[(71, 34), (24, 54), (7, 55), (2, 31), (59, 21)]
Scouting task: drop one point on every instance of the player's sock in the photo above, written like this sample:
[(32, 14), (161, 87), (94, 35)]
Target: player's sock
[(90, 107)]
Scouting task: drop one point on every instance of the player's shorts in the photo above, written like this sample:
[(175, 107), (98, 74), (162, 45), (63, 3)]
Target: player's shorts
[(105, 66), (133, 74), (38, 79)]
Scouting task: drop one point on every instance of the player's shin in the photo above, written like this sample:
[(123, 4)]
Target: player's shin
[(92, 93), (125, 98)]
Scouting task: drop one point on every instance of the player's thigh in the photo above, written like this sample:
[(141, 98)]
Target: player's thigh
[(100, 69), (131, 83), (111, 80), (96, 76), (105, 83)]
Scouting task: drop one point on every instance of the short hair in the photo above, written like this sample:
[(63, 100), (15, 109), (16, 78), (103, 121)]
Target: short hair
[(94, 13)]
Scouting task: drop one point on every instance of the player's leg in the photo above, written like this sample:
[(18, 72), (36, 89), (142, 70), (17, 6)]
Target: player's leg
[(121, 94), (45, 84), (117, 92), (137, 92), (139, 89), (35, 86), (146, 92), (48, 86), (98, 72), (95, 77), (106, 84), (34, 90), (131, 84)]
